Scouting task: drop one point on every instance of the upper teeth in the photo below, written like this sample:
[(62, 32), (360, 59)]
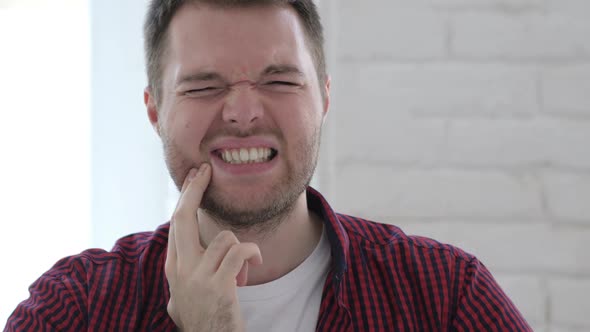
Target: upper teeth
[(246, 155)]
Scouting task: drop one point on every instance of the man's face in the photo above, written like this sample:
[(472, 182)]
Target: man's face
[(240, 91)]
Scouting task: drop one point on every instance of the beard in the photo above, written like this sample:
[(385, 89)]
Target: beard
[(262, 211)]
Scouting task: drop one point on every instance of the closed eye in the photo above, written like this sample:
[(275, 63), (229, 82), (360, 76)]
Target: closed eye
[(281, 86), (203, 92), (202, 89), (283, 83)]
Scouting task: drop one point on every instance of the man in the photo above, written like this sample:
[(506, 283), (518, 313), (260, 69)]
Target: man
[(238, 93)]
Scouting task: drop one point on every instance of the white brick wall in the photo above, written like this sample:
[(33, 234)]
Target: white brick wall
[(537, 248), (440, 89), (565, 89), (434, 193), (523, 35), (529, 294), (469, 121), (568, 196), (570, 303), (427, 39)]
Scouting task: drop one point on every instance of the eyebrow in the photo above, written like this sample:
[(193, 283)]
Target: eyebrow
[(214, 76), (201, 76), (281, 69)]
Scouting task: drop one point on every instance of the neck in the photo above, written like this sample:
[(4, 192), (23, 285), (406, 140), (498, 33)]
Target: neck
[(283, 247)]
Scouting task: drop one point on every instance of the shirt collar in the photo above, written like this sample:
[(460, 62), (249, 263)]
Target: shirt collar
[(339, 241)]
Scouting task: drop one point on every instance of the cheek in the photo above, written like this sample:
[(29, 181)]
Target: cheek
[(297, 110), (187, 129), (306, 118), (299, 127)]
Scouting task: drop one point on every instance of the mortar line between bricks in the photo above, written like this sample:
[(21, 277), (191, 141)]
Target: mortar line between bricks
[(547, 296), (542, 193), (539, 92), (563, 224), (543, 277), (550, 113), (571, 116), (500, 8), (467, 220), (571, 327), (553, 223), (553, 113), (487, 115), (439, 166), (583, 276), (449, 37), (457, 60)]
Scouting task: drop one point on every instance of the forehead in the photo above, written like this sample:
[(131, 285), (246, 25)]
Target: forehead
[(236, 41)]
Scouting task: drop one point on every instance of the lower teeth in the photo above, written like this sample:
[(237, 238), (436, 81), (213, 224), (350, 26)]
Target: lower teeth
[(246, 162)]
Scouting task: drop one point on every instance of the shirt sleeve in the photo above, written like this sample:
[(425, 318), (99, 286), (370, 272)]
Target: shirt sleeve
[(51, 306), (483, 305)]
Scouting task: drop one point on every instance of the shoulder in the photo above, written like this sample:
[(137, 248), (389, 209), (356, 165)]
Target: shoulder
[(82, 282), (437, 284), (127, 250), (131, 247), (378, 235)]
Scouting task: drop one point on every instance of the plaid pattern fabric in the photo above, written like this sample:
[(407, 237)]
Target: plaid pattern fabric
[(380, 280)]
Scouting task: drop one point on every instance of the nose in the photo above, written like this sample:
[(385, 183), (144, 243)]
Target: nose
[(243, 106)]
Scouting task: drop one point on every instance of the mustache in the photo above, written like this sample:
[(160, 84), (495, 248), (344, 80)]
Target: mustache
[(239, 133)]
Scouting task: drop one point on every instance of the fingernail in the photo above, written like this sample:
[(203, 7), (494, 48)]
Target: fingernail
[(203, 168), (192, 173)]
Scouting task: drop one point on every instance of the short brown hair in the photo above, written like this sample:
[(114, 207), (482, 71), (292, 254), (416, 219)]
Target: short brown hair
[(161, 12)]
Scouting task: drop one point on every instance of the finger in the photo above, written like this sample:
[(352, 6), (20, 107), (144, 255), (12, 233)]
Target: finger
[(191, 173), (187, 179), (188, 246), (217, 250), (242, 278), (170, 264), (234, 260)]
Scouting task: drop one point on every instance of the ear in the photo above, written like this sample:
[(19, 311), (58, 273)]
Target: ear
[(152, 109), (327, 97)]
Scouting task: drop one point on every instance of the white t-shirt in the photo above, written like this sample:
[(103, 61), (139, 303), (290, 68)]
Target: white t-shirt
[(292, 302)]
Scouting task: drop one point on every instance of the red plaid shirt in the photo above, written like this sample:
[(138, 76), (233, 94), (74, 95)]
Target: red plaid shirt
[(380, 280)]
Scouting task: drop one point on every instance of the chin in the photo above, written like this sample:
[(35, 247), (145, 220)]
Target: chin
[(247, 207), (243, 197)]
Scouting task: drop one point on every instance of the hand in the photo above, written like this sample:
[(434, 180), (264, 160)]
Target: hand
[(203, 283)]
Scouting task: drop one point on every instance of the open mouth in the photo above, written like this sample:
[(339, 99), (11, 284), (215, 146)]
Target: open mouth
[(251, 155)]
